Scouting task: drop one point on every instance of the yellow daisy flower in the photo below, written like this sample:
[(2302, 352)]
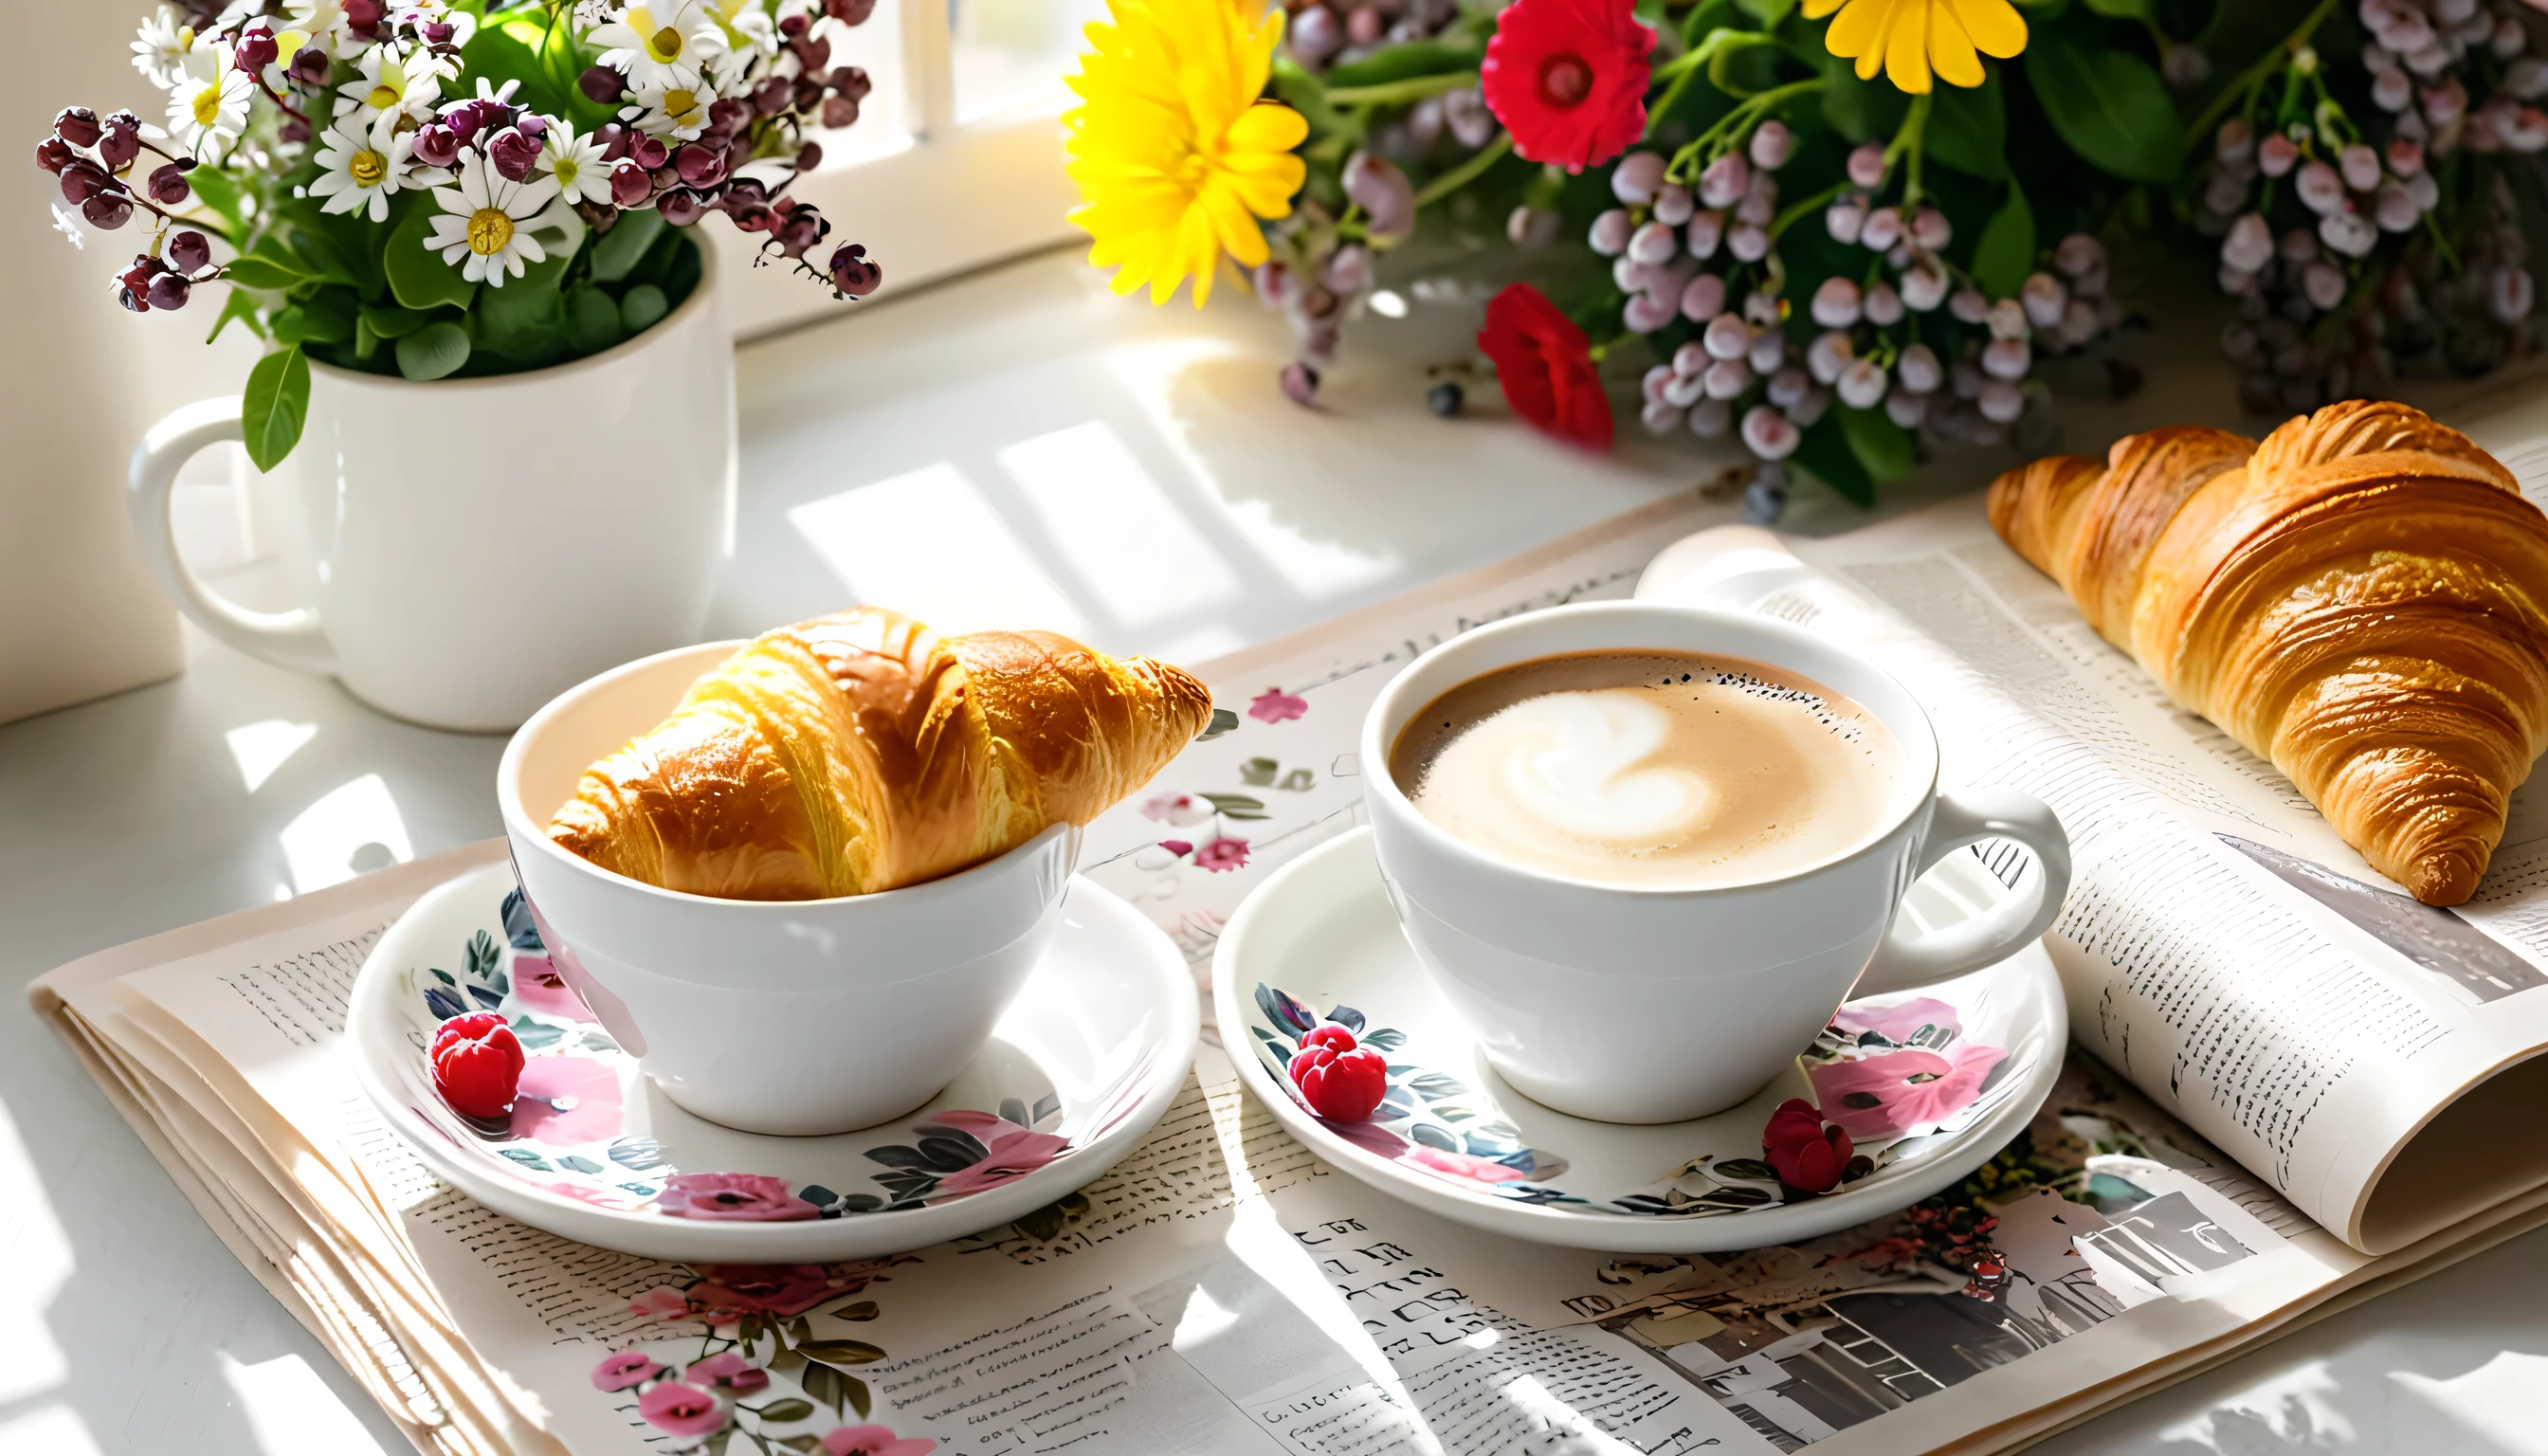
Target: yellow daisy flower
[(1909, 39), (1176, 156)]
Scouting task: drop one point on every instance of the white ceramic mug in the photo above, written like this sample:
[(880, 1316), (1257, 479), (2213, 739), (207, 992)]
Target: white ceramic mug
[(463, 549), (771, 1016), (1637, 1004)]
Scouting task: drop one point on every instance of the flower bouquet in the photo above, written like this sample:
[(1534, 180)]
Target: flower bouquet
[(1845, 231), (455, 187)]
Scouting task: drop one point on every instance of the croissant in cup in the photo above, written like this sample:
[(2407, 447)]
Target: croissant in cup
[(862, 752), (2362, 599)]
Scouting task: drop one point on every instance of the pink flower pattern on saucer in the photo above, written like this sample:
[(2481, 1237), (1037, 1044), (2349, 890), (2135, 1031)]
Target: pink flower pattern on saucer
[(568, 1134)]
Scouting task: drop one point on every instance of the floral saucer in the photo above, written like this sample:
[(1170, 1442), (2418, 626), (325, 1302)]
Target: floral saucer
[(1084, 1062), (1926, 1087)]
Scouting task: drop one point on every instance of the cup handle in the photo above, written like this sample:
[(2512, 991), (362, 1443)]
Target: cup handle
[(289, 638), (1911, 958)]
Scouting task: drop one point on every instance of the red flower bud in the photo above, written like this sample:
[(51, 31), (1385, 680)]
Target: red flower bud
[(681, 208), (729, 114), (436, 146), (512, 154), (256, 50), (108, 209), (854, 273), (54, 154), (602, 86), (122, 142), (805, 227), (168, 186), (630, 186), (363, 16), (700, 166), (1340, 1079), (650, 151), (813, 52), (1803, 1153), (850, 12), (809, 156), (294, 131), (774, 94), (168, 291), (840, 112), (76, 125), (310, 67), (188, 252), (851, 81), (477, 1064)]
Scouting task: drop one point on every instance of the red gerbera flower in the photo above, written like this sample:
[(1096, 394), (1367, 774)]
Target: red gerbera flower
[(1567, 79), (1545, 365)]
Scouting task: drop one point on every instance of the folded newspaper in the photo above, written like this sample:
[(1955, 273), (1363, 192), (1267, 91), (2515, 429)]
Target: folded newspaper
[(2293, 1087)]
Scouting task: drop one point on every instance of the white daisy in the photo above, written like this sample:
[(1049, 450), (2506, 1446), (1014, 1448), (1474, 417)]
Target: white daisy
[(487, 224), (576, 163), (357, 174), (653, 46), (390, 87), (321, 20), (208, 106), (669, 110), (736, 37), (160, 51)]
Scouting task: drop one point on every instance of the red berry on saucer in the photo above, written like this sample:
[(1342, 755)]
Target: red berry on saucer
[(477, 1064), (1338, 1077)]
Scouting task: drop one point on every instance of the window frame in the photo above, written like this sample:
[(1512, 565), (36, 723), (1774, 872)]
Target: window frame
[(950, 200)]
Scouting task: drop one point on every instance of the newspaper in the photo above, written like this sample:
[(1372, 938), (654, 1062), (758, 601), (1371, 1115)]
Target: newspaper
[(1223, 1290)]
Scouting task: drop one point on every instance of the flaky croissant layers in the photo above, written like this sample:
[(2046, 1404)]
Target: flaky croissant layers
[(2361, 598), (862, 752)]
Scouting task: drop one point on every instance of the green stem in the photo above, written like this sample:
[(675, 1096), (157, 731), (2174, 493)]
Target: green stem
[(1466, 172), (2255, 75), (1797, 210), (1734, 123), (1399, 93), (1911, 141)]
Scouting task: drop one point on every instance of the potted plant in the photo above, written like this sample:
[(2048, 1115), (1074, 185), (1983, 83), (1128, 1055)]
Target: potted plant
[(462, 228)]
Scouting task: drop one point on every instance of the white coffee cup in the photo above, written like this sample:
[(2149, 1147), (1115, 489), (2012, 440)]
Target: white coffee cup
[(1638, 1004), (803, 1016), (463, 548)]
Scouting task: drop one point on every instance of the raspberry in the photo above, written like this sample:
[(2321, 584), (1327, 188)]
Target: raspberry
[(1338, 1077), (477, 1064)]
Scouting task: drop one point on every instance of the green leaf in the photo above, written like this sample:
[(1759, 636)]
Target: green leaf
[(862, 1309), (1860, 111), (825, 1384), (1880, 445), (391, 322), (220, 191), (642, 308), (1824, 453), (238, 305), (511, 48), (1405, 63), (1968, 129), (264, 273), (435, 350), (616, 251), (2109, 105), (785, 1410), (322, 259), (858, 1395), (303, 324), (2005, 254), (524, 317), (592, 320), (2120, 8), (419, 278), (275, 404), (842, 1351)]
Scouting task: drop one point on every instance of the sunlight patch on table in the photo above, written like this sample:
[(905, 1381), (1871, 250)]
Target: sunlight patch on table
[(2499, 1402), (929, 545), (1114, 522), (41, 1262), (54, 1430), (1316, 569), (2295, 1408), (260, 748), (352, 830), (293, 1411)]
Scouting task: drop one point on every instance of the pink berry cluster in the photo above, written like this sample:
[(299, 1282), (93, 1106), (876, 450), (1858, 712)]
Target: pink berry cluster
[(1323, 34), (2331, 217), (1322, 268)]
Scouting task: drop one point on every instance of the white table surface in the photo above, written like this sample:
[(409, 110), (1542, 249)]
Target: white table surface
[(995, 417)]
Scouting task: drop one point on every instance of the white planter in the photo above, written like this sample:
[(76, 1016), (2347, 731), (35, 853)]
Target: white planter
[(464, 550)]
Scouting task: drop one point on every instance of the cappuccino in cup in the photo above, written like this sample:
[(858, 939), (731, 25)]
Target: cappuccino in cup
[(1650, 769)]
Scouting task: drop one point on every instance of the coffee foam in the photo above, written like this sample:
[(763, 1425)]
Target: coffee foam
[(1648, 768)]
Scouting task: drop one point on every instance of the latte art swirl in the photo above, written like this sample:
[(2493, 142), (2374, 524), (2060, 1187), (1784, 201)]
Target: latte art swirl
[(1579, 762), (1649, 768)]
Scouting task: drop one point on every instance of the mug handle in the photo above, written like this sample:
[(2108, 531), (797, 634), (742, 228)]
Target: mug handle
[(1909, 959), (290, 639)]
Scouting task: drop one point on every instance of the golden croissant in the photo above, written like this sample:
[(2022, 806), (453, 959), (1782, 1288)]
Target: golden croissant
[(861, 751), (2362, 599)]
